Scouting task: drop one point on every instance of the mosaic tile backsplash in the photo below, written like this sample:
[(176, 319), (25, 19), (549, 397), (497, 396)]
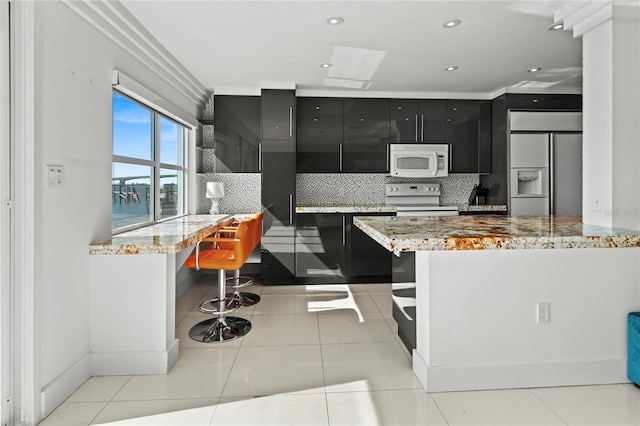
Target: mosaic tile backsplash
[(367, 189), (243, 190)]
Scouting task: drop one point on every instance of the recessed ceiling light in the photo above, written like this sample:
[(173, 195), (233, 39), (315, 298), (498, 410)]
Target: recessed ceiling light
[(556, 27), (334, 20), (535, 69), (452, 23), (326, 65), (451, 68)]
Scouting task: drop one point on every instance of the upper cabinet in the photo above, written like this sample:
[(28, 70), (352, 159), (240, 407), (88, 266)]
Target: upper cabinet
[(418, 121), (278, 114), (366, 136), (320, 135), (236, 134), (469, 136)]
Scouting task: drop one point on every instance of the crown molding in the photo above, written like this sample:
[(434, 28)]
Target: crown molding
[(115, 21), (583, 16)]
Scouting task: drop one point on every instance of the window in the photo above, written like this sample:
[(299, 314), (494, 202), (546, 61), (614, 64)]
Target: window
[(148, 166)]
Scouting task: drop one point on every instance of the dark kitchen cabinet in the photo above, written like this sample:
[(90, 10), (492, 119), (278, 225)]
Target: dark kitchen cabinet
[(278, 188), (236, 134), (366, 256), (278, 114), (329, 248), (366, 136), (418, 121), (469, 136), (320, 245), (319, 134)]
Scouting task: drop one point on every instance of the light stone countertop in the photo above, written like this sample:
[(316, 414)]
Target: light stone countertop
[(488, 208), (398, 234), (166, 237)]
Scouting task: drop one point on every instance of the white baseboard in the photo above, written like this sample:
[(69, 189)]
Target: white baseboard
[(461, 378), (61, 388), (130, 363)]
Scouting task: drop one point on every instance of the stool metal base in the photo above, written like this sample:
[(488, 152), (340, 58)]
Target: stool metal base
[(237, 300), (215, 330)]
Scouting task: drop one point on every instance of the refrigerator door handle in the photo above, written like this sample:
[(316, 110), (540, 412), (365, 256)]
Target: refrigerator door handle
[(551, 173)]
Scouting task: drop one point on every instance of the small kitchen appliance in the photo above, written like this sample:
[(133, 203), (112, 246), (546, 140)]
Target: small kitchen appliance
[(419, 160)]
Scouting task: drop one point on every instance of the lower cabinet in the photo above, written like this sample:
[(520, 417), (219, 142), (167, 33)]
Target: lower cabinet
[(330, 249)]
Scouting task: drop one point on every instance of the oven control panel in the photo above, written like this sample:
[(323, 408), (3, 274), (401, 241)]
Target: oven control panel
[(412, 189)]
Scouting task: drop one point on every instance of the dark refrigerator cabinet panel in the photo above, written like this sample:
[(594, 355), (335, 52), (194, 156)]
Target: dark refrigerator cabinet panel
[(278, 202), (319, 134)]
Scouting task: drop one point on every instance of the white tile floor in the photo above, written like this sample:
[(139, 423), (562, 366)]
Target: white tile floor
[(307, 363)]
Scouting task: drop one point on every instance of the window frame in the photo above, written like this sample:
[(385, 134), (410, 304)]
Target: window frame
[(155, 164)]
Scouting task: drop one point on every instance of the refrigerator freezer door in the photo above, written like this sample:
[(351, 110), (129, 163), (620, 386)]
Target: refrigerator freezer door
[(529, 206), (529, 150), (566, 191)]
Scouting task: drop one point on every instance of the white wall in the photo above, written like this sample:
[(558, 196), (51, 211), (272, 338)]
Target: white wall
[(611, 106), (74, 63)]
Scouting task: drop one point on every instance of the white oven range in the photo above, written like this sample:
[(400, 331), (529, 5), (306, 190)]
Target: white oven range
[(417, 199)]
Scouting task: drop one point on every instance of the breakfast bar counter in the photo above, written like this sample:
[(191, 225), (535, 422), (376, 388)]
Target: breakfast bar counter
[(134, 279), (516, 302)]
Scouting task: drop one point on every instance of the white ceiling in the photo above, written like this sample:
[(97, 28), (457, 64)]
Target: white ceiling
[(383, 48)]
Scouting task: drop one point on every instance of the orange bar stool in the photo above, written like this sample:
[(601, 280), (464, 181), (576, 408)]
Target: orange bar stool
[(224, 254), (243, 299)]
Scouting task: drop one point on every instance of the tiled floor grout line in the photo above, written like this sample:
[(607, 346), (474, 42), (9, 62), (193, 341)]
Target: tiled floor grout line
[(110, 400), (547, 405)]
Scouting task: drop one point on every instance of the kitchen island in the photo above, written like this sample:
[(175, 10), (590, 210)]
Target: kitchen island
[(480, 283)]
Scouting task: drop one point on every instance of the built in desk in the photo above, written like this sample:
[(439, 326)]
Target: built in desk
[(133, 294)]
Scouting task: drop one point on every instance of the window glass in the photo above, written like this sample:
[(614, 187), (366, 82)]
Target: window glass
[(132, 189), (132, 129), (171, 142), (171, 196), (147, 185)]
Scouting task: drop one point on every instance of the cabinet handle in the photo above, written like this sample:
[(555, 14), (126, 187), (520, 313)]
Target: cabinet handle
[(416, 127), (344, 225), (422, 128), (388, 158), (290, 121), (450, 156), (340, 148), (290, 209), (260, 156)]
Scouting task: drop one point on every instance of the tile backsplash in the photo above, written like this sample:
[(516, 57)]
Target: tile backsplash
[(243, 190), (368, 189)]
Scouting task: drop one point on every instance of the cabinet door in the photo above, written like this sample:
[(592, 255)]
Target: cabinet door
[(433, 121), (319, 135), (468, 129), (320, 245), (278, 114), (236, 133), (404, 121), (365, 256), (366, 136), (278, 202)]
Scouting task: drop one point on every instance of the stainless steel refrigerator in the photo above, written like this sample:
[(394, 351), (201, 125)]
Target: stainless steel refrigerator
[(545, 163)]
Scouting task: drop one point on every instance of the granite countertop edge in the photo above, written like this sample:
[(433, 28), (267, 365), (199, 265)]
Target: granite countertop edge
[(396, 239), (364, 208)]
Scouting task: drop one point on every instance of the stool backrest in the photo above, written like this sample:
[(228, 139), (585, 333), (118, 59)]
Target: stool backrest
[(257, 229)]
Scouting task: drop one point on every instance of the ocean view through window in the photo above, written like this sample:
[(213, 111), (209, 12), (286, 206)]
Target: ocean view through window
[(148, 165)]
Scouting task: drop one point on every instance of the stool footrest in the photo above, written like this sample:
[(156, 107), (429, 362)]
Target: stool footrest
[(239, 282), (229, 306)]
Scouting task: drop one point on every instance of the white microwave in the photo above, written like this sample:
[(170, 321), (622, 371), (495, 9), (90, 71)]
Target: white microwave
[(419, 160)]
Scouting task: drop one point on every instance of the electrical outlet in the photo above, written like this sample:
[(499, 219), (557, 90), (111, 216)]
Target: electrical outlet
[(543, 313)]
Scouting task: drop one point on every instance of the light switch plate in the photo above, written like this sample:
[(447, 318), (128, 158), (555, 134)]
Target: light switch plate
[(55, 176)]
